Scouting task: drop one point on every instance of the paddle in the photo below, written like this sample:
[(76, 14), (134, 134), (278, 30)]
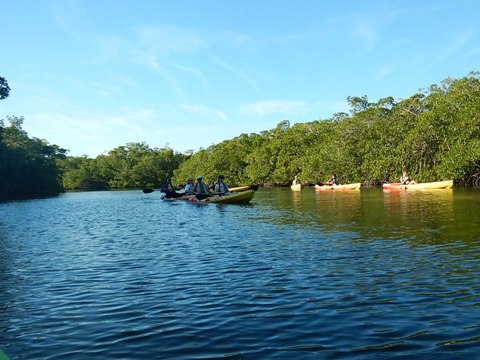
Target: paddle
[(148, 191)]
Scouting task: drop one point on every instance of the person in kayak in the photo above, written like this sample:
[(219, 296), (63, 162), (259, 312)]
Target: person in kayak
[(405, 179), (220, 187), (295, 180), (189, 186), (332, 180), (200, 189), (169, 190)]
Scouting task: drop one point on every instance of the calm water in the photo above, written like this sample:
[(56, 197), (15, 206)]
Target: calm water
[(123, 275)]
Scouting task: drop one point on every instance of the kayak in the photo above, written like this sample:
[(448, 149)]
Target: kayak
[(243, 188), (296, 187), (344, 187), (448, 184), (242, 197)]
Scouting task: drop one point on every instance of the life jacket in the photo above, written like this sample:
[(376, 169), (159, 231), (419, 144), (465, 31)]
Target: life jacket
[(168, 187), (200, 188), (221, 187)]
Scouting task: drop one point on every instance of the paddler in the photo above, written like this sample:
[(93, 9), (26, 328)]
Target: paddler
[(220, 187), (200, 189)]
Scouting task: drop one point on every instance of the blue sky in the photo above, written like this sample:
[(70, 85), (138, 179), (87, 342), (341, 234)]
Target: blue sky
[(91, 75)]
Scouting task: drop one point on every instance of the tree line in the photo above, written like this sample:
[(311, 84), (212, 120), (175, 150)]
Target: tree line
[(434, 134), (28, 166)]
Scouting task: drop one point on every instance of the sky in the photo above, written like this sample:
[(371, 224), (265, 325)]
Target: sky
[(93, 75)]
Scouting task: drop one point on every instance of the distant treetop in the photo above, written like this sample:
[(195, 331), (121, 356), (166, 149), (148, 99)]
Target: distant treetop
[(4, 88)]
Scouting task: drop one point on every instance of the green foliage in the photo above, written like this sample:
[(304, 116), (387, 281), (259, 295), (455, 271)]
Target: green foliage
[(134, 165), (28, 166), (434, 134), (4, 88)]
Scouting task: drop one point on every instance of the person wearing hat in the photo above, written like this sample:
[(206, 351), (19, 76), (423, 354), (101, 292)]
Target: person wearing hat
[(169, 190), (189, 186), (200, 189), (220, 187)]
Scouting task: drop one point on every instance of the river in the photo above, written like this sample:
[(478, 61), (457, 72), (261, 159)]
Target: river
[(293, 275)]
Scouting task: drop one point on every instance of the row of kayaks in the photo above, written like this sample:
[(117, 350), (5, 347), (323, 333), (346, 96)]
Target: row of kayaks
[(343, 187), (243, 194), (436, 185)]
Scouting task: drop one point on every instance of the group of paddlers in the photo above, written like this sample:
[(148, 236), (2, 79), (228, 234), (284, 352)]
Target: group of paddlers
[(199, 189)]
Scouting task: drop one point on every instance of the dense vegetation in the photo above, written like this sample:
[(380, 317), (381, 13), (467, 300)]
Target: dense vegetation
[(435, 134), (28, 166), (135, 165), (4, 88)]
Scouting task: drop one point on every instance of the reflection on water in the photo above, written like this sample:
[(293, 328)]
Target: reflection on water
[(430, 215), (298, 275)]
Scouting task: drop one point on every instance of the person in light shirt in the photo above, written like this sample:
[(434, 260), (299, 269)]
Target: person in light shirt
[(405, 179)]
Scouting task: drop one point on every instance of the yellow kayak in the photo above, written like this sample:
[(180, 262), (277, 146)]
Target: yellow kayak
[(243, 188), (344, 187), (296, 187), (242, 197), (448, 184)]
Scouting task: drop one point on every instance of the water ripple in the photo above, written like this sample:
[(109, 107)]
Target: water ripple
[(124, 275)]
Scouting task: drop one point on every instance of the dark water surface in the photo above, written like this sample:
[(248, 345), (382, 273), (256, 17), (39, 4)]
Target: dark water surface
[(293, 275)]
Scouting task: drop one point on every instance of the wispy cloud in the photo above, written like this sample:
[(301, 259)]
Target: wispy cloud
[(67, 15), (383, 71), (197, 73), (273, 107), (164, 40), (240, 73), (365, 30), (95, 132), (455, 47), (205, 113)]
